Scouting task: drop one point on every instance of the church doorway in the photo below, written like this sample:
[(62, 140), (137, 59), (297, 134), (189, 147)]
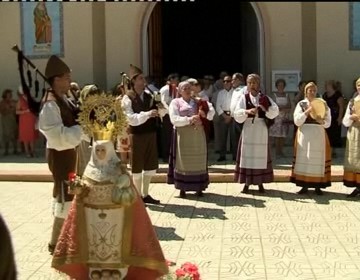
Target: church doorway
[(203, 38)]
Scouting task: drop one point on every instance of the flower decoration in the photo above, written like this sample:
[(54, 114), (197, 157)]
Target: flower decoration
[(187, 271), (75, 183)]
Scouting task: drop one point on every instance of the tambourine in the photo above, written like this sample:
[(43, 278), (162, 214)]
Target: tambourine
[(318, 108)]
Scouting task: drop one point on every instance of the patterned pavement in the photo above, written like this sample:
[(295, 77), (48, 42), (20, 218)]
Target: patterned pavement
[(232, 236)]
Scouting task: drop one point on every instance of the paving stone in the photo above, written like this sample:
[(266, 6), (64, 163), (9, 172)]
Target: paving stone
[(229, 235)]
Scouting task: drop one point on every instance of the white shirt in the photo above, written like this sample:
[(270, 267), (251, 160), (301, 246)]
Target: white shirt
[(346, 120), (235, 98), (240, 114), (178, 120), (166, 98), (58, 136), (134, 119), (223, 101)]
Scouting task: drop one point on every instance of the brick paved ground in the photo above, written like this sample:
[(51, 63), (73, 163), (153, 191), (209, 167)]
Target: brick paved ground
[(232, 236)]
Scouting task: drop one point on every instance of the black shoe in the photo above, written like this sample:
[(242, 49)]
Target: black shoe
[(221, 159), (261, 189), (318, 191), (182, 194), (245, 189), (303, 191), (51, 249), (199, 193), (354, 193), (150, 200)]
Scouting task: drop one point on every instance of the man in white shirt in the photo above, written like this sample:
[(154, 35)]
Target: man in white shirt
[(57, 122), (225, 119), (141, 112), (168, 93), (238, 84)]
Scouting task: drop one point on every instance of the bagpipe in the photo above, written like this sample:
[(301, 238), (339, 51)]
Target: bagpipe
[(155, 95), (34, 105)]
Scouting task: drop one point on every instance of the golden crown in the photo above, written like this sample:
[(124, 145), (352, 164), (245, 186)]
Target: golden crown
[(102, 117)]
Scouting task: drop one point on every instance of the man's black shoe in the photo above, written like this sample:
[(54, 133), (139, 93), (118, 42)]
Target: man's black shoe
[(51, 249), (150, 200), (354, 193)]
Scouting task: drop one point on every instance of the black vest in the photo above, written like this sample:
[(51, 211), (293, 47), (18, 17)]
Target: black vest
[(145, 105)]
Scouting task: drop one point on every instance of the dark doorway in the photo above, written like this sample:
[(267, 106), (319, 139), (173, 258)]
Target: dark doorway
[(203, 38)]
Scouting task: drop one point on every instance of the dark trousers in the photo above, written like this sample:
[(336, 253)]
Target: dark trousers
[(167, 130), (237, 129), (226, 130)]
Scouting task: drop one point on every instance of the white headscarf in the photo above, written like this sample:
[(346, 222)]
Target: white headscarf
[(101, 170)]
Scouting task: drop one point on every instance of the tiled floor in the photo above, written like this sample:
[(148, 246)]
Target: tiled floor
[(278, 235)]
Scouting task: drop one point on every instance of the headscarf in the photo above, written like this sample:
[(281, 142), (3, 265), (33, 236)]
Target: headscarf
[(101, 170), (255, 77), (182, 85), (309, 85)]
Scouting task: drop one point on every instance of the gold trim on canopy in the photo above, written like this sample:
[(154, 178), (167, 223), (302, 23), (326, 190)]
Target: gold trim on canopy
[(102, 117)]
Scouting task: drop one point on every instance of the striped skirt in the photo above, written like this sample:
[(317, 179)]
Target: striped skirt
[(188, 159), (311, 166)]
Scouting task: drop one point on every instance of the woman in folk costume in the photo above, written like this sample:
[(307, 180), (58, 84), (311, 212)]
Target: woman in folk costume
[(188, 154), (312, 153), (108, 230), (253, 161), (352, 151)]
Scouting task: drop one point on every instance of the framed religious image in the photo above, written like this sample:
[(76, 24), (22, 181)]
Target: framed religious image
[(291, 77), (42, 29), (354, 26)]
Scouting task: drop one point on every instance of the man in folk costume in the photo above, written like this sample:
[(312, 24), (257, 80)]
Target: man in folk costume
[(311, 167), (108, 230), (58, 124), (253, 162), (141, 112)]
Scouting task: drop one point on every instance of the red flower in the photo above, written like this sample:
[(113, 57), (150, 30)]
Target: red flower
[(189, 268), (180, 273), (72, 177)]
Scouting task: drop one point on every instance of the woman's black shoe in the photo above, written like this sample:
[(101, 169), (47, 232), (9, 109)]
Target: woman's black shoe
[(261, 189), (182, 194), (303, 191), (318, 191), (245, 189), (199, 194)]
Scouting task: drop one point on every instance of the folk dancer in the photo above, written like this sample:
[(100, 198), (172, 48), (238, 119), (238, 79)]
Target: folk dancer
[(311, 167), (188, 155), (57, 122), (255, 110), (141, 113)]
